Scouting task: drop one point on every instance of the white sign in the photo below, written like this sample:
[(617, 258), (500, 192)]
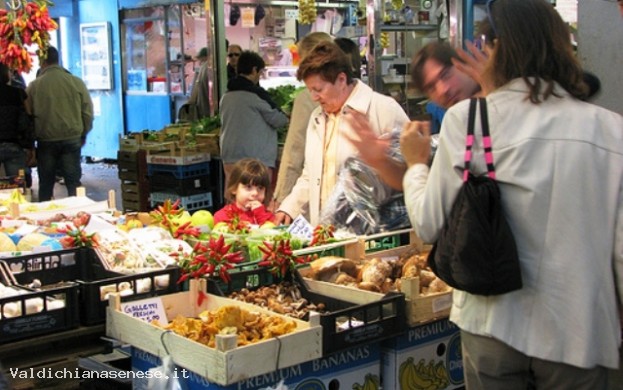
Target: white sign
[(97, 105), (146, 309), (248, 17), (301, 228), (292, 14), (568, 10)]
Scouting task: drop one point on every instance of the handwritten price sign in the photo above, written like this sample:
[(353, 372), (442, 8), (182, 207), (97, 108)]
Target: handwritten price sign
[(146, 309)]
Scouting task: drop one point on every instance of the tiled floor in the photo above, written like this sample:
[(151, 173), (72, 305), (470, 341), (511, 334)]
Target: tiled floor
[(98, 178)]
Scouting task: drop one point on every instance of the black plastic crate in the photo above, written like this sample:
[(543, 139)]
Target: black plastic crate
[(94, 280), (30, 322), (190, 186), (245, 275), (345, 324)]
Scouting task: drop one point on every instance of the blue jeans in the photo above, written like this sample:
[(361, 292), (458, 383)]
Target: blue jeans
[(58, 155), (13, 157)]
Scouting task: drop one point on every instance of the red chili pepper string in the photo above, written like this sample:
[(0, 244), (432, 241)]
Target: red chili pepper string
[(213, 259), (279, 256)]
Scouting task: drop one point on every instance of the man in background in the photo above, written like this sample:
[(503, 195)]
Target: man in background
[(199, 104), (63, 111), (233, 54)]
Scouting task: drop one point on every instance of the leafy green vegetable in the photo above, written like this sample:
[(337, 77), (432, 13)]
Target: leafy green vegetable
[(207, 125)]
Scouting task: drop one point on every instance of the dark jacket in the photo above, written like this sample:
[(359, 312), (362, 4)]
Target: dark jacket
[(242, 83), (11, 107)]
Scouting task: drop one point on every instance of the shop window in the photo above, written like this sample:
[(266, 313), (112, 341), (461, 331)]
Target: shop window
[(159, 46)]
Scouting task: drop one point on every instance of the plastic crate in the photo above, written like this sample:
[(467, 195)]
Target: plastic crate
[(94, 281), (180, 171), (21, 318), (189, 203), (184, 187), (344, 325), (388, 240), (245, 275), (176, 158), (350, 248)]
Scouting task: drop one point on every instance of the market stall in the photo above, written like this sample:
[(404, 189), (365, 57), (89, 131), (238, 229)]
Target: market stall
[(127, 270)]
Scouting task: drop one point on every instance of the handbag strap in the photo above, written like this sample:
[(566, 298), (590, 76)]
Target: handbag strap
[(486, 137)]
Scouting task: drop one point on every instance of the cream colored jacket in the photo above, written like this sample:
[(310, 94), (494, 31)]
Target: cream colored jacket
[(291, 164), (384, 113), (559, 165)]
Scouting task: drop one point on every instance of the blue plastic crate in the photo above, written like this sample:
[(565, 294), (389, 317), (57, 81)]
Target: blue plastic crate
[(180, 171)]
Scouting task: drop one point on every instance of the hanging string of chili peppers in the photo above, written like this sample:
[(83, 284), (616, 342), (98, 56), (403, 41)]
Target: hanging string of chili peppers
[(22, 24)]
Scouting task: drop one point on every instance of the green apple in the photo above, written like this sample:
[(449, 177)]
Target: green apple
[(202, 218), (268, 225), (182, 218)]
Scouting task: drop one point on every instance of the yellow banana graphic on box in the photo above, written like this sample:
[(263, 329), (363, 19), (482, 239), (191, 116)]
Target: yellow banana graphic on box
[(371, 382), (422, 376)]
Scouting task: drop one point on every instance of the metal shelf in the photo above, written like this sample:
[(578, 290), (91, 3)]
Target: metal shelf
[(408, 27)]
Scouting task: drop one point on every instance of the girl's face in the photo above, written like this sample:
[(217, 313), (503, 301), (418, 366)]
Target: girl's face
[(245, 194)]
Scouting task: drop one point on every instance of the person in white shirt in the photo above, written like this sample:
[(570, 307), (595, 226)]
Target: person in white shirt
[(559, 167)]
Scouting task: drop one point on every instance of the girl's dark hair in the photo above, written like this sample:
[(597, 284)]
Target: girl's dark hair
[(327, 60), (248, 171), (248, 60), (533, 43), (440, 52)]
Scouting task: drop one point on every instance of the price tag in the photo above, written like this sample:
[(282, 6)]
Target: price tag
[(301, 228), (292, 14), (146, 309), (248, 17)]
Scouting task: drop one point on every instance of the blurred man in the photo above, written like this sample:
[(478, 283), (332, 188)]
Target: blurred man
[(233, 54), (63, 111)]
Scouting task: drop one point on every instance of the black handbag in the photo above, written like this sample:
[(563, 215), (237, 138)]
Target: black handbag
[(476, 250)]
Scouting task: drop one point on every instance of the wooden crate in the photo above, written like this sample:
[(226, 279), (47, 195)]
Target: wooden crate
[(420, 308), (223, 367), (131, 142), (132, 165), (135, 195), (176, 153), (346, 293), (210, 143)]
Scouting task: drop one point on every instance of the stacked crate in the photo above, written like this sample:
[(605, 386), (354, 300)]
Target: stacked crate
[(185, 177), (217, 181), (132, 167)]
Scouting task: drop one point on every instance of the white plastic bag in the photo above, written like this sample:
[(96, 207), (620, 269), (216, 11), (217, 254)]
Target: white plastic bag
[(164, 376)]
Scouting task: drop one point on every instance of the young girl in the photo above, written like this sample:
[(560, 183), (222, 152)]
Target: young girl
[(246, 190)]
